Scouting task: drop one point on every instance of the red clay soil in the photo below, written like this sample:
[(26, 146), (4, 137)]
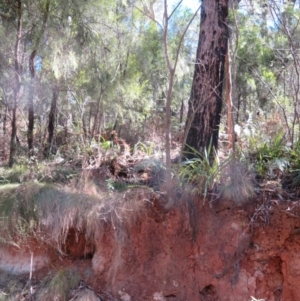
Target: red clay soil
[(207, 253)]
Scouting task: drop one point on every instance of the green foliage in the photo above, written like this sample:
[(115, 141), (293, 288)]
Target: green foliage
[(19, 216), (147, 149), (106, 144), (41, 172), (7, 197), (199, 173), (113, 185), (58, 285), (292, 178), (269, 76), (295, 179), (17, 174), (3, 180), (278, 160), (19, 208), (258, 69), (270, 157), (230, 177), (108, 62), (294, 155)]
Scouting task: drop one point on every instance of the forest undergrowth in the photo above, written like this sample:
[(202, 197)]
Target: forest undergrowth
[(113, 183), (102, 177)]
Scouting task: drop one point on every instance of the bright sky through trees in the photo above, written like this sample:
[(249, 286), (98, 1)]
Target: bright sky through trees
[(192, 4)]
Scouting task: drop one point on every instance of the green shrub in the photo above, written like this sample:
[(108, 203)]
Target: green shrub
[(199, 173), (273, 157)]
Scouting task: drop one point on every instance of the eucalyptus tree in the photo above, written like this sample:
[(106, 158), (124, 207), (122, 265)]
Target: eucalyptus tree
[(267, 63), (6, 70), (93, 67), (86, 65), (81, 59), (286, 19), (60, 60), (11, 13), (51, 58), (203, 120), (25, 23), (109, 76)]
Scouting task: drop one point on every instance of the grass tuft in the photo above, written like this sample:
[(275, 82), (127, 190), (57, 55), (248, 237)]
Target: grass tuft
[(58, 286), (48, 212), (237, 183)]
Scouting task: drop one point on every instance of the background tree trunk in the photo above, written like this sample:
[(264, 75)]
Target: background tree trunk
[(4, 124), (17, 87), (96, 117), (30, 103), (52, 118), (32, 79), (202, 126), (228, 97)]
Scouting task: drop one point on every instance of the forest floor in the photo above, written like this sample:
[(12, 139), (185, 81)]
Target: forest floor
[(99, 240), (104, 234)]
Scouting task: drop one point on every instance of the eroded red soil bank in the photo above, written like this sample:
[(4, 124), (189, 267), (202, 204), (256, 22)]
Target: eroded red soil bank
[(196, 254)]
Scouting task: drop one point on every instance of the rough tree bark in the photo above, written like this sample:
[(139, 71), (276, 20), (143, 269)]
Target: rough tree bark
[(203, 120)]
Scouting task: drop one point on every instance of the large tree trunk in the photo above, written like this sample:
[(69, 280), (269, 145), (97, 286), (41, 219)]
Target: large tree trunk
[(17, 87), (202, 126)]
